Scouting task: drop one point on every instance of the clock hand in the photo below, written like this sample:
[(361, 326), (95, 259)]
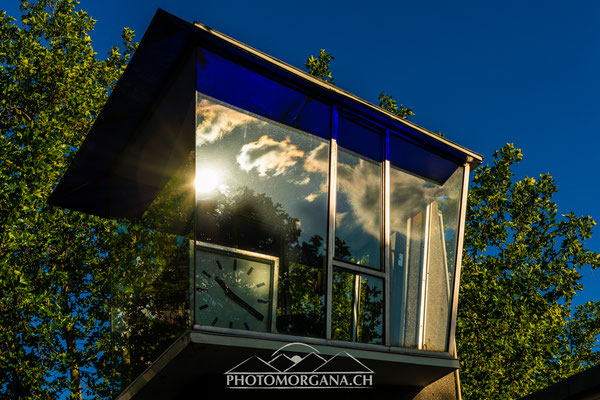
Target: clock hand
[(238, 300)]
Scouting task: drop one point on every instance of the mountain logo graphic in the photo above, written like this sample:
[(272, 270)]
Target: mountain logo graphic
[(298, 365)]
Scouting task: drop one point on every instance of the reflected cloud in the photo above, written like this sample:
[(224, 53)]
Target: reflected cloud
[(410, 195), (361, 185), (339, 217), (311, 197), (318, 160), (304, 181), (268, 156), (214, 121)]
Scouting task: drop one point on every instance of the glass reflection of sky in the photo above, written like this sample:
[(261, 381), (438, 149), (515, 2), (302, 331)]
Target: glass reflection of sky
[(410, 195), (358, 209), (286, 165), (423, 215)]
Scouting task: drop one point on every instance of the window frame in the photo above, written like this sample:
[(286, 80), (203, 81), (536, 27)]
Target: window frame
[(384, 272)]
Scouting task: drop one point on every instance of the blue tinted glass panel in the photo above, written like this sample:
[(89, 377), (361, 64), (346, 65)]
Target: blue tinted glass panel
[(360, 139), (241, 87), (412, 158)]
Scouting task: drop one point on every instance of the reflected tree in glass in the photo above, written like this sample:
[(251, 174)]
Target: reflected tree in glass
[(370, 310), (262, 187), (357, 307), (342, 323)]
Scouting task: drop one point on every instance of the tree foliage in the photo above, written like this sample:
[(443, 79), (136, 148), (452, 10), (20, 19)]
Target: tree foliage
[(319, 66), (388, 103), (517, 328), (53, 279)]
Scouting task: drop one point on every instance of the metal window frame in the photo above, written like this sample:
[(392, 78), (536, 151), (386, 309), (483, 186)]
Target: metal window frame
[(424, 277), (451, 342), (331, 219), (387, 264), (358, 270), (384, 273)]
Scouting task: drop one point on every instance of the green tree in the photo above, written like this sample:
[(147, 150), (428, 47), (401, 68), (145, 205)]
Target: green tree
[(54, 280), (517, 328), (319, 66), (388, 103)]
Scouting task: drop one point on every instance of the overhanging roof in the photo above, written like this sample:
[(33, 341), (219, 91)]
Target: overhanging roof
[(141, 131)]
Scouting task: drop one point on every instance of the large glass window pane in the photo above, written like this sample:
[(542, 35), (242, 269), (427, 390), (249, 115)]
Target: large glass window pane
[(262, 187), (423, 239), (358, 210), (357, 307)]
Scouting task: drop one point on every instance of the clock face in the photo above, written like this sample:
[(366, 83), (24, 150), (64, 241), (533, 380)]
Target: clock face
[(234, 291)]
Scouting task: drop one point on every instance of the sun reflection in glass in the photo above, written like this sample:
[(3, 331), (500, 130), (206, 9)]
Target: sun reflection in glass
[(207, 180)]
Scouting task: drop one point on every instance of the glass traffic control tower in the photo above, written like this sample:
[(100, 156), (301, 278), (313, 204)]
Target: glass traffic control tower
[(262, 210)]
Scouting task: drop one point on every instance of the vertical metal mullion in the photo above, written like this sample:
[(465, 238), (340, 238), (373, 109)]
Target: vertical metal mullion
[(331, 218), (444, 255), (275, 293), (424, 279), (387, 264), (407, 259), (192, 280), (451, 344), (355, 306), (193, 242)]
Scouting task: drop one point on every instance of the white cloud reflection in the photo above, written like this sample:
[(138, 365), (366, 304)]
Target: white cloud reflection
[(409, 194), (317, 161), (303, 181), (268, 156), (359, 181), (311, 197), (214, 121)]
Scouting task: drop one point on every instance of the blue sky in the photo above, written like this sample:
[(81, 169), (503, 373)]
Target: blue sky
[(484, 73)]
